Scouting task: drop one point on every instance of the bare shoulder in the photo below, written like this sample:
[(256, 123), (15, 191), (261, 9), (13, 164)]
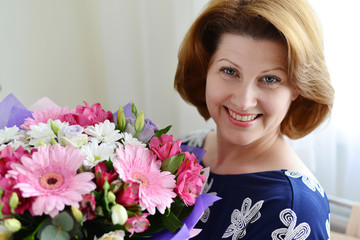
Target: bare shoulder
[(295, 163)]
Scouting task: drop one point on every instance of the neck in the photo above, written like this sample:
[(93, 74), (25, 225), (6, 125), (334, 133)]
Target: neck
[(253, 157)]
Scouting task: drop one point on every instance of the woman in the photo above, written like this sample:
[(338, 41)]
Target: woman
[(257, 68)]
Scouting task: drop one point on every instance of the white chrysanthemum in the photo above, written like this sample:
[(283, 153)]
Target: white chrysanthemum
[(95, 153), (9, 134), (127, 138), (104, 132), (14, 145), (43, 132)]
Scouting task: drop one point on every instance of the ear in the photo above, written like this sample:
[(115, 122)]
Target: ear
[(294, 95)]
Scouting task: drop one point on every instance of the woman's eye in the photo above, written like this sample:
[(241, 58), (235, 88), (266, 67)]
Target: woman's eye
[(229, 71), (270, 79)]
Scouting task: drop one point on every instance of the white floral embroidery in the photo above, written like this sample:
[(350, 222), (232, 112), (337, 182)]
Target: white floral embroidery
[(289, 218), (312, 184), (241, 219), (204, 218), (327, 225)]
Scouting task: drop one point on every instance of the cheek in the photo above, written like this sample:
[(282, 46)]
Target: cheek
[(277, 104)]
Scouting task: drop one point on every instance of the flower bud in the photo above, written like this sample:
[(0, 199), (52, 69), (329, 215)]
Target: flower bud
[(121, 119), (77, 214), (139, 122), (12, 224), (111, 197), (106, 185), (13, 201), (118, 214), (134, 109)]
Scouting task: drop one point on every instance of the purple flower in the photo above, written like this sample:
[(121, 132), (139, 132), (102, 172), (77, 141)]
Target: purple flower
[(146, 134), (149, 128)]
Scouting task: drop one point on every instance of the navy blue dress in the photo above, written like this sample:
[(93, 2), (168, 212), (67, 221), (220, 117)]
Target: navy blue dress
[(279, 204)]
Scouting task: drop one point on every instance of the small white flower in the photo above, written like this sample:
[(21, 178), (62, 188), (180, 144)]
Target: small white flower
[(43, 132), (12, 224), (104, 132), (118, 214), (72, 135), (9, 134), (114, 235), (5, 233), (127, 138), (95, 153)]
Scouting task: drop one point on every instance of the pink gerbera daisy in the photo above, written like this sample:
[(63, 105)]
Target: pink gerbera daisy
[(50, 176), (42, 116), (136, 164)]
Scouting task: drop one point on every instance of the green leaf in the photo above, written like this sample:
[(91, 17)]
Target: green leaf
[(63, 220), (52, 232), (173, 163), (162, 131), (171, 222)]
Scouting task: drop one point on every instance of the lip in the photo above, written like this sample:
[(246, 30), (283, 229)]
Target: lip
[(244, 124)]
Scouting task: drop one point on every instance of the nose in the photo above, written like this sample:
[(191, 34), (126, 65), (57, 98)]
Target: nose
[(244, 96)]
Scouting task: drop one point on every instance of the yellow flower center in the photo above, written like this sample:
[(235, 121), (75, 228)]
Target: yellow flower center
[(141, 179), (51, 180)]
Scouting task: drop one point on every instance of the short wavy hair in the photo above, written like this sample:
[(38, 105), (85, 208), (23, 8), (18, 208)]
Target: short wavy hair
[(292, 22)]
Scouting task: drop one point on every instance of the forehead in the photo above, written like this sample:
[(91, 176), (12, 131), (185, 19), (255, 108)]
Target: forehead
[(245, 49)]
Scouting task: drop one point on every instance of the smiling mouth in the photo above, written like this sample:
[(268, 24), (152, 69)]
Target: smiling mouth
[(242, 118)]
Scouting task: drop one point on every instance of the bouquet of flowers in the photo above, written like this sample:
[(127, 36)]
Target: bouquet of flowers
[(88, 173)]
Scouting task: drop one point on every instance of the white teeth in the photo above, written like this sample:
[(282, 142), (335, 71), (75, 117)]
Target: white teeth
[(246, 118)]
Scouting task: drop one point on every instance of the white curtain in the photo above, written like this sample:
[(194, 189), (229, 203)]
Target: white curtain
[(116, 51)]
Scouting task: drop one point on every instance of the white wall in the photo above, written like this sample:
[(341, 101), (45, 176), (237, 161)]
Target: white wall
[(111, 51), (116, 51)]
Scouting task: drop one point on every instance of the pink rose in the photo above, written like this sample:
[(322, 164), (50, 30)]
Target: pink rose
[(137, 224), (129, 195), (189, 185), (164, 146), (190, 180), (190, 163)]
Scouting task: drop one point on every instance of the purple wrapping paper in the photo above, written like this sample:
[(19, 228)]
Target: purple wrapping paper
[(12, 112), (199, 152), (202, 203)]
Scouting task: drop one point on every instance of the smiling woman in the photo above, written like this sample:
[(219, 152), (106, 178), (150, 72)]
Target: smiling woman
[(260, 76), (115, 51)]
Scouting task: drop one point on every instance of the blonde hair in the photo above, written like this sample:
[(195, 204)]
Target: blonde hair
[(292, 22)]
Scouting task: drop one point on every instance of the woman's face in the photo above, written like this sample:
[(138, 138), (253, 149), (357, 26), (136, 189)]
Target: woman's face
[(247, 89)]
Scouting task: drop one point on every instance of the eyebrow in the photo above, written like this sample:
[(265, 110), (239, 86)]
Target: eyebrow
[(225, 59), (268, 70), (273, 69)]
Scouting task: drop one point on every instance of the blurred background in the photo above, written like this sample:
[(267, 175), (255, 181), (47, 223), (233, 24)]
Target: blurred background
[(117, 51)]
